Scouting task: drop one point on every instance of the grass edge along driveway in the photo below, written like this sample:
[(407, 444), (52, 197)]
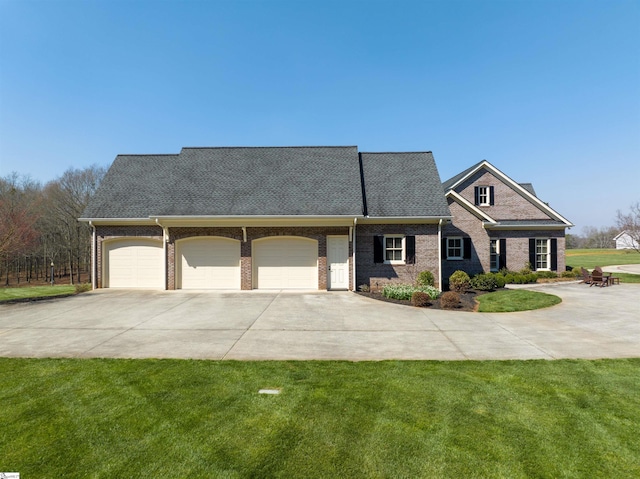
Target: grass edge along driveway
[(512, 300), (177, 418)]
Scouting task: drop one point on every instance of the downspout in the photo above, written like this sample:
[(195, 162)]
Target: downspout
[(440, 255), (94, 256), (165, 240), (353, 246)]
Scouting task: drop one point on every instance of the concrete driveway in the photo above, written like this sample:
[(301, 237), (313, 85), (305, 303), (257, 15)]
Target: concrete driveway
[(589, 323)]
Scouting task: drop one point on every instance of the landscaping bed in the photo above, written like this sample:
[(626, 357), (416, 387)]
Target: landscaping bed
[(467, 300)]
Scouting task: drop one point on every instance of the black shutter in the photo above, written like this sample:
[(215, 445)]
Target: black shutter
[(532, 253), (443, 248), (410, 244), (554, 254), (492, 200), (466, 250), (502, 262), (378, 249), (476, 195)]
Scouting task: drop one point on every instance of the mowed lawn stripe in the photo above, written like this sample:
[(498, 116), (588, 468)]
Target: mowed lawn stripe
[(152, 418)]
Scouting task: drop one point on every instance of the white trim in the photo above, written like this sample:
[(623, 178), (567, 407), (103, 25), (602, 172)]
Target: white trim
[(380, 220), (455, 258), (402, 249), (469, 206), (522, 227), (547, 254), (353, 247), (487, 195), (440, 255)]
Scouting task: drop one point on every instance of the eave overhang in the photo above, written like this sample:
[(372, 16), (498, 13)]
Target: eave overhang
[(397, 220), (523, 227)]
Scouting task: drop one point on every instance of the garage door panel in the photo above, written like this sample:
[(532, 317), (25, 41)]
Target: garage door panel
[(209, 263), (286, 263), (134, 264)]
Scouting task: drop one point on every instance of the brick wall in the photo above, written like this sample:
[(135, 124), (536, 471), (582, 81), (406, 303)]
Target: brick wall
[(378, 274)]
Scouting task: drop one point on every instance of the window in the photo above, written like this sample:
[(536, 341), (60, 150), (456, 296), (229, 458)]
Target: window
[(394, 248), (542, 254), (494, 248), (455, 248), (484, 196)]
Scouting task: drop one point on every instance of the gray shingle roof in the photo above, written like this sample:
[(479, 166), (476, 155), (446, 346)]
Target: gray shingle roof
[(403, 184), (272, 181), (453, 180), (529, 188)]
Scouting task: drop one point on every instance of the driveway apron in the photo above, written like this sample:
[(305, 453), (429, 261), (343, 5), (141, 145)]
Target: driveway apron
[(272, 325)]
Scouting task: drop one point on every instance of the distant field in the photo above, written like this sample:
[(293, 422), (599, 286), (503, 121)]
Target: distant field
[(590, 258)]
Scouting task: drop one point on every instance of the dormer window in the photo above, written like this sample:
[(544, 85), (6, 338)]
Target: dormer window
[(484, 196)]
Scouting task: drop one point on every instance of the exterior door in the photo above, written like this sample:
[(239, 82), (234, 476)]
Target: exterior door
[(338, 262)]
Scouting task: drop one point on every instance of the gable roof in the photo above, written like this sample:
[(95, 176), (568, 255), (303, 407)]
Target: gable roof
[(402, 184), (269, 181), (525, 189)]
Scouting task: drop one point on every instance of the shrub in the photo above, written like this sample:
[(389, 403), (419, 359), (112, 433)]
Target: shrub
[(364, 288), (484, 282), (449, 300), (83, 287), (500, 282), (425, 278), (546, 274), (569, 274), (533, 278), (405, 291), (459, 281), (420, 299)]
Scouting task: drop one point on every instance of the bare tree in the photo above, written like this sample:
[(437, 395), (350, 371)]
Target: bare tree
[(630, 224), (598, 237)]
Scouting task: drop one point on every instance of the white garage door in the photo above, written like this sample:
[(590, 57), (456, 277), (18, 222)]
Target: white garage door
[(285, 263), (209, 263), (134, 263)]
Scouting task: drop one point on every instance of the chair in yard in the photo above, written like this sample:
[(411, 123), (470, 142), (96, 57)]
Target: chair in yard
[(586, 277), (599, 278), (611, 279)]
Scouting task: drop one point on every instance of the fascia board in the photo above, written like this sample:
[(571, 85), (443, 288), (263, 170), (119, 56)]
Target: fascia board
[(471, 173), (118, 221), (254, 221), (468, 206), (380, 220), (525, 227)]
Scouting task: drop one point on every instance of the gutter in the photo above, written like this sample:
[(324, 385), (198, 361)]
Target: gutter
[(440, 255), (353, 246), (94, 256), (165, 240)]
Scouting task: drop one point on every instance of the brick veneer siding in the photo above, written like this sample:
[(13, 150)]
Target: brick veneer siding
[(378, 274), (509, 204), (465, 224), (106, 233)]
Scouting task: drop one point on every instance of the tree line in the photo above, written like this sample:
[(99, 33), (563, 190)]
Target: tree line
[(593, 237), (39, 228)]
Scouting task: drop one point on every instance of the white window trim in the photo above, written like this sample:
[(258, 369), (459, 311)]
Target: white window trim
[(487, 195), (455, 258), (495, 255), (548, 255), (404, 250)]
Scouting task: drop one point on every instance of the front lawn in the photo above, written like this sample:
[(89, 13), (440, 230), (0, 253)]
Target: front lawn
[(175, 418), (515, 300), (13, 294)]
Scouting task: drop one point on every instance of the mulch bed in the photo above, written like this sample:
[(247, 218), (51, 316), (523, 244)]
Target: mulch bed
[(467, 300)]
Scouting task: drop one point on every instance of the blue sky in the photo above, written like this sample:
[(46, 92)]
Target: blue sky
[(547, 91)]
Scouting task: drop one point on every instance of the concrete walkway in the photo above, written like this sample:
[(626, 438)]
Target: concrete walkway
[(623, 268), (589, 323)]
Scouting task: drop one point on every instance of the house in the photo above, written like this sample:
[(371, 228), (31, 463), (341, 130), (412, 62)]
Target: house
[(266, 218), (309, 218), (499, 223), (624, 240)]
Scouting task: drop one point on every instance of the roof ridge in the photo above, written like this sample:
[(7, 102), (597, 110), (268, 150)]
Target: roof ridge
[(393, 152), (261, 147)]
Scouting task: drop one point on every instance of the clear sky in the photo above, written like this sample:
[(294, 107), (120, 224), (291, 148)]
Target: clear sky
[(547, 91)]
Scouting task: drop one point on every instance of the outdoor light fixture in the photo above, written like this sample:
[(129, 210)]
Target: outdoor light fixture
[(52, 273)]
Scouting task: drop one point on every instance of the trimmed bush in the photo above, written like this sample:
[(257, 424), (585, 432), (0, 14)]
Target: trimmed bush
[(405, 291), (420, 299), (484, 282), (500, 282), (569, 274), (425, 278), (364, 288), (449, 300), (546, 274), (459, 281), (83, 287)]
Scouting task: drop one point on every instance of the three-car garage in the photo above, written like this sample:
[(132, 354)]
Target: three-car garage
[(211, 262)]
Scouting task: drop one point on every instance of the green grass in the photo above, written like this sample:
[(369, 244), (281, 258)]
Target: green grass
[(7, 294), (590, 258), (201, 419), (515, 300)]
